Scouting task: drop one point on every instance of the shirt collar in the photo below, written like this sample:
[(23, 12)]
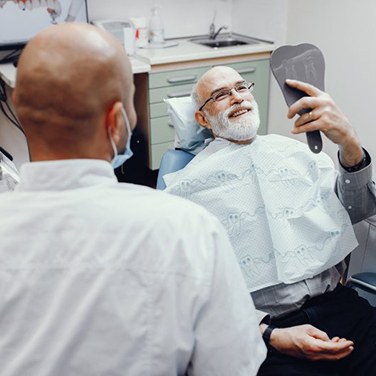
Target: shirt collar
[(65, 174)]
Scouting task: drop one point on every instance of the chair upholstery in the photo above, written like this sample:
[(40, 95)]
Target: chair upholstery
[(172, 160)]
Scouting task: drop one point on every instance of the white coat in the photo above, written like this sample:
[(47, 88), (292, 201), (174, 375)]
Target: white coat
[(102, 278)]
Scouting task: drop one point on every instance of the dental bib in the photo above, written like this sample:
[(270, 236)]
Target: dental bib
[(276, 199)]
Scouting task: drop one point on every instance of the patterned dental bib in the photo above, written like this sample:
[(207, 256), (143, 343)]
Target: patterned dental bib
[(277, 202)]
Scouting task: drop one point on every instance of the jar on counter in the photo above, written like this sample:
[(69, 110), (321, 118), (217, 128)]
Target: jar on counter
[(141, 25)]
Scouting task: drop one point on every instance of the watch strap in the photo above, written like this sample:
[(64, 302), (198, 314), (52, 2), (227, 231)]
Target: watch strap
[(266, 336)]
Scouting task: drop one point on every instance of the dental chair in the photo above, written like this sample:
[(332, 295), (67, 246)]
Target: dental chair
[(189, 137), (363, 260), (172, 160)]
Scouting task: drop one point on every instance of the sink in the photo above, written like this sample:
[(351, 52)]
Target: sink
[(223, 43), (225, 40)]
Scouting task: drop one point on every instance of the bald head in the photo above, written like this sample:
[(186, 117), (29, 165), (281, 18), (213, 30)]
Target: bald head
[(210, 80), (68, 79)]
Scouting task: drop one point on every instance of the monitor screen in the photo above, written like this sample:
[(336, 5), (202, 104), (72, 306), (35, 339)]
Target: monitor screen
[(20, 20)]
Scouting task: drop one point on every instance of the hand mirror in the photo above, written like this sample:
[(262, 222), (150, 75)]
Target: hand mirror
[(304, 62)]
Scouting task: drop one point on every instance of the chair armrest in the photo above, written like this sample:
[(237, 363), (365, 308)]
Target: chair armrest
[(365, 281)]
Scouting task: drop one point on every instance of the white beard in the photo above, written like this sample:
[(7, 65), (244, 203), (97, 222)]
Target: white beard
[(238, 129)]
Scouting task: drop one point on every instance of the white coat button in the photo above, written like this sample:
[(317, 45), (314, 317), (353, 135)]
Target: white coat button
[(349, 207), (347, 181)]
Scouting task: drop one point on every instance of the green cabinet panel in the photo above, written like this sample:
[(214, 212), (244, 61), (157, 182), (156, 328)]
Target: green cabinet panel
[(157, 95), (175, 77), (157, 151), (158, 110), (161, 130)]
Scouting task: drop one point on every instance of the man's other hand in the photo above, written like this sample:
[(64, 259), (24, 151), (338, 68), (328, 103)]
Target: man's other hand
[(306, 341)]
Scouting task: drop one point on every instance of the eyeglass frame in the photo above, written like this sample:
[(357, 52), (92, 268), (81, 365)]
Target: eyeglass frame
[(250, 86)]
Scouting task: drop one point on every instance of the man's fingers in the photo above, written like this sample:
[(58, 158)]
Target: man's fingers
[(331, 350), (318, 334), (308, 127), (309, 89), (304, 103), (330, 347)]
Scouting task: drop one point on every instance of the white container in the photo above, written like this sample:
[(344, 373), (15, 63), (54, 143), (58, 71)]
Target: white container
[(156, 29), (142, 31)]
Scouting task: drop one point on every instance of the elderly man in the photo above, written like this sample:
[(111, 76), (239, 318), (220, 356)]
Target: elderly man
[(98, 277), (288, 228)]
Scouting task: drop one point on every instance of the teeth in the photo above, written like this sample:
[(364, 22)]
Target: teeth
[(51, 4), (35, 3), (28, 5), (21, 5), (43, 3), (241, 112)]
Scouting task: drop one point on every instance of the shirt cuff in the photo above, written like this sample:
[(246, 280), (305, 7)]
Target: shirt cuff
[(357, 179)]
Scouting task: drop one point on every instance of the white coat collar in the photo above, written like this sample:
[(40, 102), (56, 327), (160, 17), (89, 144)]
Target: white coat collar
[(65, 174)]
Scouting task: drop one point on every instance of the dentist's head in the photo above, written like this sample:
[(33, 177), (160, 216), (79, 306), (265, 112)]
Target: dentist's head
[(225, 105), (74, 94)]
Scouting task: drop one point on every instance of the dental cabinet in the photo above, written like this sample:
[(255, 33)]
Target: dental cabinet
[(175, 70)]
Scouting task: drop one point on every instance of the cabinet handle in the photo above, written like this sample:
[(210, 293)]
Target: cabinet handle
[(170, 124), (175, 80), (178, 95), (246, 70)]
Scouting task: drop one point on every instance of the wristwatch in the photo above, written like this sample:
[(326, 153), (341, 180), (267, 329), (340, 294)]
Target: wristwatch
[(266, 336)]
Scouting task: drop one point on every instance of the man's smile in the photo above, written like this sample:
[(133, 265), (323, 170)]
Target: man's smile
[(239, 112)]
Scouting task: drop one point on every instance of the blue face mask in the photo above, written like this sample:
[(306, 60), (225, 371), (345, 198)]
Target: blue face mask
[(120, 158)]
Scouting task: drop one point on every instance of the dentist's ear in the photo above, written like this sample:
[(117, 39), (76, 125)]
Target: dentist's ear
[(201, 119), (114, 121)]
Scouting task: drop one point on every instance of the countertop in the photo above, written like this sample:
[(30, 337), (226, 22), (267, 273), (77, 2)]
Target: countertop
[(8, 71), (185, 50), (189, 51)]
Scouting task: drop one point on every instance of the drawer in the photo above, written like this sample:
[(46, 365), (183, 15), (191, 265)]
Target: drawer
[(175, 77), (157, 95), (158, 109), (161, 130), (156, 153)]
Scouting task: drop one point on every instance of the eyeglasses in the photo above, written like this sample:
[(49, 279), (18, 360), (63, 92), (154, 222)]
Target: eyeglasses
[(221, 94)]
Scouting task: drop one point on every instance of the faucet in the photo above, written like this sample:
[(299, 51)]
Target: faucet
[(212, 33), (215, 34)]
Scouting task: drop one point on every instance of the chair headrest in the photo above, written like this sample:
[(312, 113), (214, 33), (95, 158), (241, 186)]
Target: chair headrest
[(189, 135)]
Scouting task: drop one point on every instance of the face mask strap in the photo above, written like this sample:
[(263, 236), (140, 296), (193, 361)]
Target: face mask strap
[(112, 144), (126, 122)]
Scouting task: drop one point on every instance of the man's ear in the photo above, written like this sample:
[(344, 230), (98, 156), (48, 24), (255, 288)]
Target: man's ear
[(201, 119), (114, 121)]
